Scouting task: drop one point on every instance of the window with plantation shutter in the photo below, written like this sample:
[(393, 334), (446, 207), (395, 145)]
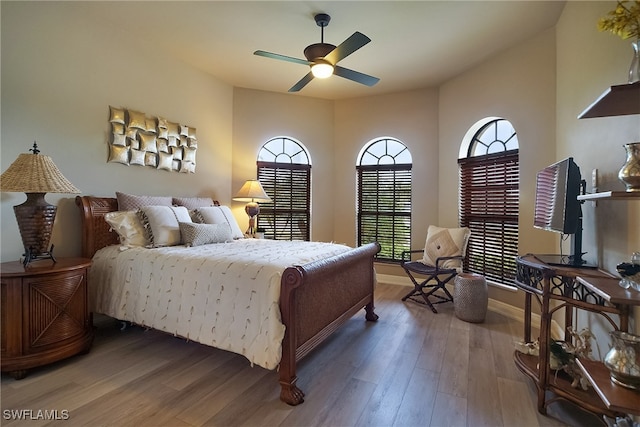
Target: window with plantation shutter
[(284, 171), (384, 198), (489, 199)]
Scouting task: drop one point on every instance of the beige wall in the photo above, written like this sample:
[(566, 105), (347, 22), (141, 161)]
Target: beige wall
[(411, 117), (259, 116), (588, 63), (517, 85), (60, 73)]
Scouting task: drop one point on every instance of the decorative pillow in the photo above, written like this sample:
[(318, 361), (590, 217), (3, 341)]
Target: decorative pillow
[(131, 202), (117, 115), (162, 224), (148, 142), (219, 215), (119, 139), (163, 133), (184, 130), (150, 159), (187, 167), (132, 133), (201, 234), (172, 141), (172, 129), (443, 242), (117, 128), (194, 202), (165, 161), (118, 154), (137, 120), (162, 145), (189, 154), (128, 226), (177, 153), (137, 157), (134, 144), (151, 124)]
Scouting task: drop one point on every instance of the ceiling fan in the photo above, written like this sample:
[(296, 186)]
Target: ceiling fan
[(322, 57)]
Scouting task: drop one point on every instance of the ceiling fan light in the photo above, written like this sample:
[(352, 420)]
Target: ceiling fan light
[(322, 70)]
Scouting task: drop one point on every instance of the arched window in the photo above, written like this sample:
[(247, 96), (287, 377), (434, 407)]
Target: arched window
[(489, 198), (384, 197), (284, 170)]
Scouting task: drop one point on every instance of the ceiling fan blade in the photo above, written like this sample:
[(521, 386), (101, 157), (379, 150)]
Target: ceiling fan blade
[(282, 57), (302, 83), (347, 47), (346, 73)]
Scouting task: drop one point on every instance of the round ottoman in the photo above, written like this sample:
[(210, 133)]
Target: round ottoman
[(470, 297)]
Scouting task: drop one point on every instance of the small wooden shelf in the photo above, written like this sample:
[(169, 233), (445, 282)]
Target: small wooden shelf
[(619, 100), (615, 397), (611, 195), (560, 384), (610, 290)]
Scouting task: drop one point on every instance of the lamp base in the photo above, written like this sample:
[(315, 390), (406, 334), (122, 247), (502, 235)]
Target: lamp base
[(252, 209), (35, 220), (29, 255)]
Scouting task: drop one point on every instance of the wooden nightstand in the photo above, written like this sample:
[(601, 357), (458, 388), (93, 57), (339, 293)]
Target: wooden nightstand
[(45, 313)]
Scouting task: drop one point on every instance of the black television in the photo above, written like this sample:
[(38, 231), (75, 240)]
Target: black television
[(557, 207)]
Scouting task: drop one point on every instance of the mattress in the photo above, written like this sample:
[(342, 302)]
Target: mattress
[(225, 295)]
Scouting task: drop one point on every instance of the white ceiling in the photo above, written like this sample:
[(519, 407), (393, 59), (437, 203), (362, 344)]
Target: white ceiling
[(415, 44)]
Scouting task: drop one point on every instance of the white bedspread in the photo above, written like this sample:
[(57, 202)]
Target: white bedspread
[(224, 295)]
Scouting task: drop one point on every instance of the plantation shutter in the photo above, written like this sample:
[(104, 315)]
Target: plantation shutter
[(288, 216), (489, 193), (384, 208)]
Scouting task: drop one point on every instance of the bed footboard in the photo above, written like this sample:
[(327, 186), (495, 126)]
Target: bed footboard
[(315, 300)]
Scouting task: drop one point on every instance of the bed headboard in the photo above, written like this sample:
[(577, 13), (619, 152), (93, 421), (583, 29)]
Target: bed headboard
[(96, 233)]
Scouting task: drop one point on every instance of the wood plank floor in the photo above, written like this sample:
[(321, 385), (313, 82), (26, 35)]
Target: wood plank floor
[(411, 368)]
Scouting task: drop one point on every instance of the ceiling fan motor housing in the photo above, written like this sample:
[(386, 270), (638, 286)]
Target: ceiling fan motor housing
[(317, 51)]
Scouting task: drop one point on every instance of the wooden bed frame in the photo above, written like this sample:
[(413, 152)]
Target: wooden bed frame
[(315, 298)]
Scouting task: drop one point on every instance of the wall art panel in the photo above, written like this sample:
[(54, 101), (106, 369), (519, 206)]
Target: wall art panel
[(140, 140)]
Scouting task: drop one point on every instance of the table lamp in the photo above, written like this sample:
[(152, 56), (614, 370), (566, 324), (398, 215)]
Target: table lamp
[(252, 192), (35, 174)]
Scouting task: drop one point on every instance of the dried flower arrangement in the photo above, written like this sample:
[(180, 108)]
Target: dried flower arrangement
[(623, 21)]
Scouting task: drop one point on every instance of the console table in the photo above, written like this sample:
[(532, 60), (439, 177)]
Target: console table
[(563, 288)]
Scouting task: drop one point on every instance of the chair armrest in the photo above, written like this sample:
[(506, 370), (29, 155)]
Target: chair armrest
[(406, 255)]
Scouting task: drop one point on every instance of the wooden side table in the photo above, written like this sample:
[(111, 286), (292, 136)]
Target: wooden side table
[(45, 313)]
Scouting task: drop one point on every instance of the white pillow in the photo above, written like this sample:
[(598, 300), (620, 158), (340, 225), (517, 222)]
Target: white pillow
[(128, 226), (201, 234), (219, 215), (162, 224), (442, 242)]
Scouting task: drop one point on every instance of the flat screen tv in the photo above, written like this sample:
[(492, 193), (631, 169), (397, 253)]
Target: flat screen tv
[(557, 207)]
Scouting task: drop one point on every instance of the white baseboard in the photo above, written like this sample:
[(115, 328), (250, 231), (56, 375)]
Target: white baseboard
[(508, 310)]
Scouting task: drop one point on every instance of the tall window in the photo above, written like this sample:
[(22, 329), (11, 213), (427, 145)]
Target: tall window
[(284, 170), (384, 197), (489, 194)]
